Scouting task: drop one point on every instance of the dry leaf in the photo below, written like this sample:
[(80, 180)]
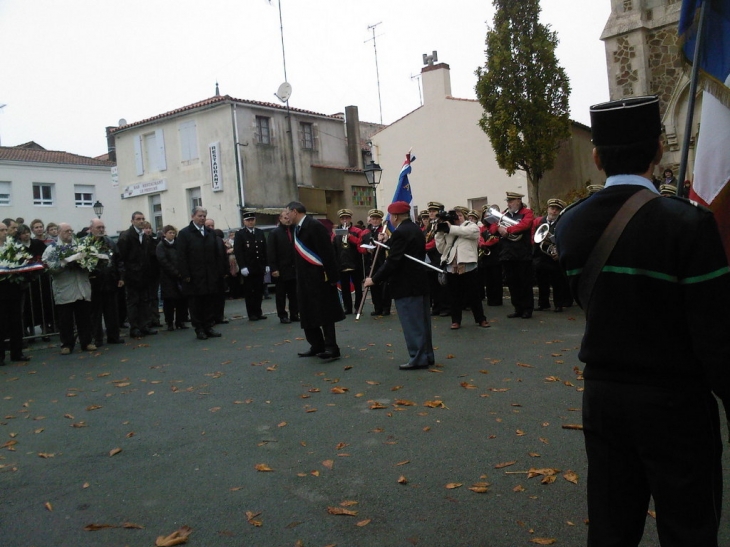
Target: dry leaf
[(46, 454), (93, 407), (85, 485), (69, 416), (375, 405), (132, 525), (404, 462), (348, 503), (518, 488), (467, 385), (435, 404), (341, 511), (505, 464), (404, 402), (214, 409), (479, 489), (372, 382), (545, 471), (542, 541), (572, 426), (329, 464), (571, 476), (519, 433), (48, 506), (93, 527), (402, 480), (79, 424), (263, 467), (114, 451), (549, 479), (251, 517), (453, 485), (340, 446), (178, 537), (337, 390), (363, 522), (281, 424)]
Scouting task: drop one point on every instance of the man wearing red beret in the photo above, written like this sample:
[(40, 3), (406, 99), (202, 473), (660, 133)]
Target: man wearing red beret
[(408, 285)]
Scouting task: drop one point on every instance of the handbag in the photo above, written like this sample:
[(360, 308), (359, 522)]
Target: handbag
[(442, 274)]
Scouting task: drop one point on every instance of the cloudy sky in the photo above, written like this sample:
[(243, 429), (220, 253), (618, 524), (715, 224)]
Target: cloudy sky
[(70, 68)]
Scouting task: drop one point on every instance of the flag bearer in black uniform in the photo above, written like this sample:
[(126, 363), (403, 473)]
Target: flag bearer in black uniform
[(376, 231), (650, 419)]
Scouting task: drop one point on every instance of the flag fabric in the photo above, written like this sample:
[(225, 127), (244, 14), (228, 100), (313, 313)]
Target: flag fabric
[(403, 190), (714, 61)]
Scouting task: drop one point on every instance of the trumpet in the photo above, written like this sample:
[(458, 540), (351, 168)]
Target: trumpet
[(545, 240), (493, 215)]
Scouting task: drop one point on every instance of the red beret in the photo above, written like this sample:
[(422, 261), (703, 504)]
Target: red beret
[(399, 208)]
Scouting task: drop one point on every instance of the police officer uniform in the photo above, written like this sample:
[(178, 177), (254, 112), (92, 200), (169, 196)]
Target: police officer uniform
[(249, 246)]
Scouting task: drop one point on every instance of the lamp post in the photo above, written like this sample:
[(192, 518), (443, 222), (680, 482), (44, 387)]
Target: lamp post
[(373, 172), (98, 208)]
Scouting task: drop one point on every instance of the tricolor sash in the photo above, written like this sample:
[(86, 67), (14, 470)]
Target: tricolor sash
[(306, 253)]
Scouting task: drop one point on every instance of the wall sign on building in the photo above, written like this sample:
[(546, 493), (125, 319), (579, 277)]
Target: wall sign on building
[(216, 182), (141, 188), (115, 177)]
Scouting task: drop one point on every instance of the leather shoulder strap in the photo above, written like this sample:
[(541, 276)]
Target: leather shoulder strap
[(607, 242)]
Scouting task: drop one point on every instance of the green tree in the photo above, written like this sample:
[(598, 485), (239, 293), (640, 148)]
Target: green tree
[(524, 93)]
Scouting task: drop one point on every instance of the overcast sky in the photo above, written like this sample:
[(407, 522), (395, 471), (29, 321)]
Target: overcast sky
[(70, 68)]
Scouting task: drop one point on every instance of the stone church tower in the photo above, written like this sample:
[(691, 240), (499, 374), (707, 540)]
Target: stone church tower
[(643, 57)]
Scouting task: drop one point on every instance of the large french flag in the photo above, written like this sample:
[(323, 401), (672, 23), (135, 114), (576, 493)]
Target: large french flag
[(403, 190), (712, 161)]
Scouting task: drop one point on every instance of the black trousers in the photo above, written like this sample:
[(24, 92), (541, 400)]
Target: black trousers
[(490, 281), (356, 277), (647, 441), (219, 306), (552, 278), (519, 274), (76, 313), (175, 310), (138, 307), (253, 292), (201, 311), (382, 300), (104, 306), (440, 300), (322, 338), (11, 326), (464, 291), (154, 302), (286, 288)]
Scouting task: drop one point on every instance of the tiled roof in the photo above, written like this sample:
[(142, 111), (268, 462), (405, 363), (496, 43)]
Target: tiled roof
[(221, 99), (40, 155)]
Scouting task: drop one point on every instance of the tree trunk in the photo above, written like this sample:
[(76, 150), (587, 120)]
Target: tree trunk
[(533, 195)]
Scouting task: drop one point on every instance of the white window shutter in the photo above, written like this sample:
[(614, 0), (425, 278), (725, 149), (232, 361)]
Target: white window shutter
[(160, 140), (138, 162)]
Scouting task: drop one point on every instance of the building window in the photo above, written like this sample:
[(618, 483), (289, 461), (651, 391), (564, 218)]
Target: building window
[(307, 136), (42, 194), (5, 193), (188, 141), (362, 196), (83, 195), (156, 208), (194, 198), (263, 130), (149, 152)]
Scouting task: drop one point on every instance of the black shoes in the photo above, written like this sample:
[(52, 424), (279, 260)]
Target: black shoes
[(200, 335), (542, 308), (170, 327), (295, 318), (257, 318), (213, 333), (21, 357), (181, 326), (117, 341), (285, 320), (329, 355), (409, 366), (311, 353), (515, 314), (527, 315), (559, 309), (136, 333), (148, 332)]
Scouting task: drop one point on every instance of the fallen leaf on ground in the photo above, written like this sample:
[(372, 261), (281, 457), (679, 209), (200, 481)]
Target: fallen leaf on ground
[(46, 454), (505, 464), (48, 506), (281, 424), (337, 390), (363, 522), (402, 480), (467, 385), (329, 464), (404, 462), (572, 426), (114, 451), (263, 467), (571, 476), (435, 404), (543, 541), (178, 537), (404, 402), (132, 525), (251, 517), (340, 446), (341, 511), (93, 527), (518, 488), (93, 407), (453, 485)]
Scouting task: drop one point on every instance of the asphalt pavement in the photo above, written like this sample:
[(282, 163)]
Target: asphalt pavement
[(248, 445)]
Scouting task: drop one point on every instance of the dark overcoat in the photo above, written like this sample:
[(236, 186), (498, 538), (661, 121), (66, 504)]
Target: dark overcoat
[(319, 303), (135, 257), (406, 277), (281, 252), (201, 261), (170, 278)]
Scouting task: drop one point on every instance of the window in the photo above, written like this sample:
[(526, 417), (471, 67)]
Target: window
[(5, 193), (188, 140), (156, 208), (42, 194), (263, 131), (362, 196), (84, 195), (149, 152), (194, 198), (307, 136)]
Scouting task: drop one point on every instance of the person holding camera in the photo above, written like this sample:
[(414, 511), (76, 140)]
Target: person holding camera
[(457, 239)]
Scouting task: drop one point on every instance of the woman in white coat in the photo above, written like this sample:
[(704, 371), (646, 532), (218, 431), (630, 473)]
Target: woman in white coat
[(458, 244)]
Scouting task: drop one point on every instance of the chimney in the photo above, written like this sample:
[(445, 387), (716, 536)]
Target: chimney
[(436, 82), (111, 144), (352, 127)]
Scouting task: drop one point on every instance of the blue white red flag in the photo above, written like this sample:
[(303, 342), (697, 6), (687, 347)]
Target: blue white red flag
[(403, 190)]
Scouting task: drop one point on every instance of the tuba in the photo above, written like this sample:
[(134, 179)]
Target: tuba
[(545, 240), (494, 216)]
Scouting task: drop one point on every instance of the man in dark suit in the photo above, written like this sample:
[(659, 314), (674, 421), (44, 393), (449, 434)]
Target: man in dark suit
[(201, 264), (283, 271), (408, 285), (249, 246), (317, 276), (656, 342), (105, 283), (135, 249)]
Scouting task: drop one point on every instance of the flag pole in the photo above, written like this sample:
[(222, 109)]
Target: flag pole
[(694, 77)]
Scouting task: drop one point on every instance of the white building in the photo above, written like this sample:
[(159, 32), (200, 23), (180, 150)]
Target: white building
[(56, 187), (455, 163), (231, 155)]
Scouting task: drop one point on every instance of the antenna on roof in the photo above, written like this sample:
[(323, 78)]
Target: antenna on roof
[(377, 71), (418, 77)]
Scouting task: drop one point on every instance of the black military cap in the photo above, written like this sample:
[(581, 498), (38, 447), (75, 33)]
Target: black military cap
[(626, 121)]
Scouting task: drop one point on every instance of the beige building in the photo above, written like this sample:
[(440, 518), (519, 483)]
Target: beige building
[(643, 57), (455, 162), (231, 155), (56, 187)]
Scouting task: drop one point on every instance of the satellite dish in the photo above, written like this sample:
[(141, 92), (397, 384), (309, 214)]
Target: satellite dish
[(122, 122), (284, 92)]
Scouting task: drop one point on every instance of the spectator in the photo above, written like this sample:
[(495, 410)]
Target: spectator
[(174, 303), (283, 271)]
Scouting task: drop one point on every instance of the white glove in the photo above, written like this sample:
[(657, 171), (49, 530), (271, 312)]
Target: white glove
[(245, 272), (268, 269)]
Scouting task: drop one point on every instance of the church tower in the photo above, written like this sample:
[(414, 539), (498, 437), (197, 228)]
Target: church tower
[(643, 57)]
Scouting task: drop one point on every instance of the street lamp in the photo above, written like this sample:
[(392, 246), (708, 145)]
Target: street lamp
[(98, 208), (373, 172)]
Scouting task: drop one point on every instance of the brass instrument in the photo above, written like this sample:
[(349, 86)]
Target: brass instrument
[(545, 240), (494, 216), (345, 242)]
